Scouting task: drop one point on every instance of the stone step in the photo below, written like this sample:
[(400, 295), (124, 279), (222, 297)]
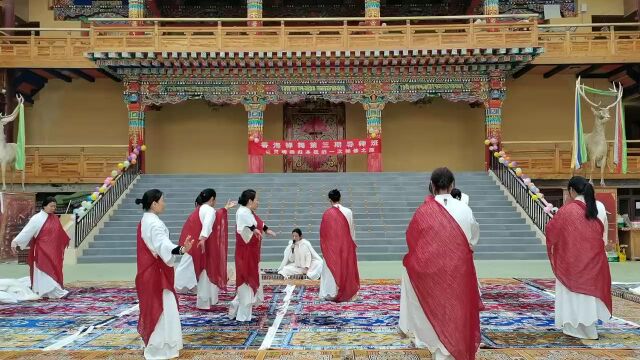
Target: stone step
[(383, 205), (130, 241)]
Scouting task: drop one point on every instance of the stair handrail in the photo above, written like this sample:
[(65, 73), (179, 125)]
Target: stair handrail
[(87, 220), (523, 190)]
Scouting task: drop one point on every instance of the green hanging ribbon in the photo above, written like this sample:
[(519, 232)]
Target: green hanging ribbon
[(20, 151)]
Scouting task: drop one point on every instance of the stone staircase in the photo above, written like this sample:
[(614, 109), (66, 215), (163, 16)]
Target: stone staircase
[(382, 205)]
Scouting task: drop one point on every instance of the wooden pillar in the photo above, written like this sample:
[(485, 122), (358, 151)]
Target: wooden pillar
[(136, 115), (136, 9), (255, 113), (254, 11), (373, 106), (493, 107), (9, 21), (491, 7), (372, 12)]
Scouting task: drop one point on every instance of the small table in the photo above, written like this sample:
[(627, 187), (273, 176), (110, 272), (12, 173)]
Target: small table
[(631, 238)]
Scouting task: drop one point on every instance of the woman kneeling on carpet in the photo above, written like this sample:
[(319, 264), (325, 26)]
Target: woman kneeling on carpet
[(159, 322), (576, 238)]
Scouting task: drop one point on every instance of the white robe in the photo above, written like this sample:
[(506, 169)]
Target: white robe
[(328, 287), (303, 257), (242, 304), (413, 321), (577, 314), (13, 291), (166, 340), (43, 284)]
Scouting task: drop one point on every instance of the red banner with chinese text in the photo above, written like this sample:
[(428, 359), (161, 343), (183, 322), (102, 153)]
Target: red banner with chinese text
[(316, 147)]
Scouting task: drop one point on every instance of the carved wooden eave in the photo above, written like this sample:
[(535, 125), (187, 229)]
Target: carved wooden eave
[(277, 77)]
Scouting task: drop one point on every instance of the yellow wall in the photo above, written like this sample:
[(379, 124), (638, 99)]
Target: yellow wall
[(543, 109), (594, 7), (192, 138), (441, 133), (77, 113), (22, 9)]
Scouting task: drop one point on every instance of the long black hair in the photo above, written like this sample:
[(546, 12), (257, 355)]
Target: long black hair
[(442, 178), (582, 187), (149, 198), (205, 195), (48, 200), (246, 195)]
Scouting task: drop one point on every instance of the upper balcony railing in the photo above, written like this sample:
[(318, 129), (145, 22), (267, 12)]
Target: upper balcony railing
[(48, 47)]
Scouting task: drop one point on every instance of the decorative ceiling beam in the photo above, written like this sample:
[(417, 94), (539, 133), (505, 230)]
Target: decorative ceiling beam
[(109, 75), (81, 74), (58, 74), (617, 71), (30, 78), (523, 71), (554, 71), (631, 91), (588, 70), (26, 97), (633, 74)]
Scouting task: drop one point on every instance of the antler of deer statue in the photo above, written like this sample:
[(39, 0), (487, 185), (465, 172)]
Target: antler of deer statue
[(8, 151), (596, 141)]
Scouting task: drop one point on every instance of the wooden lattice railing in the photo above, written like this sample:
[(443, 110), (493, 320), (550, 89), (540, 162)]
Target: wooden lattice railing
[(573, 43), (69, 164), (552, 159)]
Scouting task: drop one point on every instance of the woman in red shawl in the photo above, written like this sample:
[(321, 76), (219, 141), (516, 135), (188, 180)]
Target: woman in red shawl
[(47, 242), (439, 300), (576, 247), (159, 322), (205, 266), (249, 231)]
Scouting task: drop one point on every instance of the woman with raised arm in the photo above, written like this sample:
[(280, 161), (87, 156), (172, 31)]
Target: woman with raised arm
[(159, 322)]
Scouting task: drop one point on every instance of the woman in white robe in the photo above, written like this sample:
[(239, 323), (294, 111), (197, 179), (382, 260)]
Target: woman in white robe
[(413, 321), (300, 258), (241, 307), (165, 341), (43, 284)]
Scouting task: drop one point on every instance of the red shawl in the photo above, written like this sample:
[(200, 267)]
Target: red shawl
[(440, 266), (192, 227), (153, 277), (576, 251), (47, 249), (339, 251), (216, 248), (248, 259)]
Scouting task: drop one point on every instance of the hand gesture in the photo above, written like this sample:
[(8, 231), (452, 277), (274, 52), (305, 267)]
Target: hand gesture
[(271, 233), (187, 244), (230, 204), (257, 233), (14, 250), (201, 245)]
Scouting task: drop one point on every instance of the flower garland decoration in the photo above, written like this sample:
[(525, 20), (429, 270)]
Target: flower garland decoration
[(512, 166), (108, 182)]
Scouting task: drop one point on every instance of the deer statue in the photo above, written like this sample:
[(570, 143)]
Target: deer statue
[(8, 151), (596, 142)]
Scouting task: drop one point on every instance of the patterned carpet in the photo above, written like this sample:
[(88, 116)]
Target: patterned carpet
[(97, 319)]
